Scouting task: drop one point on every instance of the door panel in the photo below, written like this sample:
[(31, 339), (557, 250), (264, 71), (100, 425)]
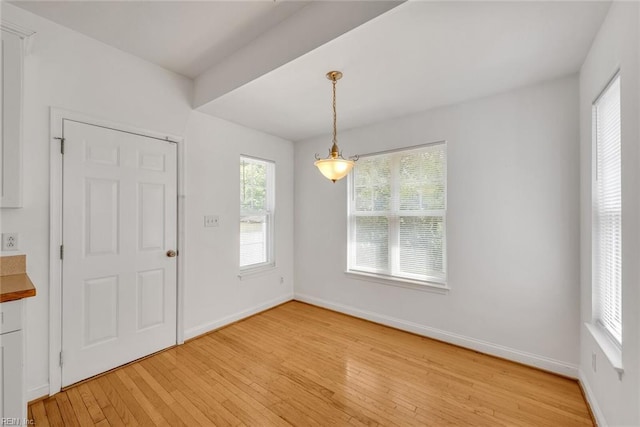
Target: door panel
[(119, 220), (151, 285), (102, 216), (100, 315), (151, 216)]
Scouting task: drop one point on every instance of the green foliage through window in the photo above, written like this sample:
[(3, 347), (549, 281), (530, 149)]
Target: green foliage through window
[(253, 185), (397, 214), (256, 212)]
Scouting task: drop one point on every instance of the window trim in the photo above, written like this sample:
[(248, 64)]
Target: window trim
[(270, 213), (399, 282), (605, 339), (435, 284), (608, 346)]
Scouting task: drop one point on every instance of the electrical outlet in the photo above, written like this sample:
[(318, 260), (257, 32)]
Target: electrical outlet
[(593, 361), (9, 241), (281, 280), (211, 221)]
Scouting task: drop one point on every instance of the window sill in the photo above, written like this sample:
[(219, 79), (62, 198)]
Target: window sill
[(256, 271), (402, 283), (613, 353)]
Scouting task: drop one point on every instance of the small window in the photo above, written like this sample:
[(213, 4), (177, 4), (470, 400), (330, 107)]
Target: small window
[(257, 200), (397, 215), (607, 212)]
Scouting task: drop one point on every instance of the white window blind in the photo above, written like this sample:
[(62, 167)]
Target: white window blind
[(397, 214), (256, 212), (607, 212)]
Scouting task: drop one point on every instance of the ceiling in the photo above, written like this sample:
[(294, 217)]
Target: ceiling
[(186, 37), (416, 56)]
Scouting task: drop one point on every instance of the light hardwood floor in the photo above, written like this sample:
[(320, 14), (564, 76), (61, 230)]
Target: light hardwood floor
[(305, 366)]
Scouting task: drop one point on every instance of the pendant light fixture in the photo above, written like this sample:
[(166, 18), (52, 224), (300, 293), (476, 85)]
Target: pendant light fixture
[(335, 166)]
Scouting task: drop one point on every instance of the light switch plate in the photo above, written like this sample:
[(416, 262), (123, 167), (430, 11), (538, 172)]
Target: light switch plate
[(211, 220)]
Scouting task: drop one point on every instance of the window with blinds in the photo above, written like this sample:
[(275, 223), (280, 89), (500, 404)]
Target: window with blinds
[(257, 199), (397, 214), (607, 212)]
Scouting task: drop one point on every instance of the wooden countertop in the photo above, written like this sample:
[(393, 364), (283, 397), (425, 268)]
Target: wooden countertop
[(14, 282), (16, 286)]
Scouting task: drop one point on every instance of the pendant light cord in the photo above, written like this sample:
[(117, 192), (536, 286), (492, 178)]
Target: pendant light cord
[(335, 166), (335, 128)]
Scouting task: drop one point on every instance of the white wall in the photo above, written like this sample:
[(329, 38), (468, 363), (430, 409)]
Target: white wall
[(215, 294), (68, 70), (615, 401), (71, 71), (513, 234)]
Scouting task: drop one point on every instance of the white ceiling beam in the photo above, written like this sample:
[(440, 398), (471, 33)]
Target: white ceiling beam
[(314, 25)]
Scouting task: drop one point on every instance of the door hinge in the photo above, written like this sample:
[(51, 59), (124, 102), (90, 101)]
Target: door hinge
[(61, 144), (61, 251), (61, 359)]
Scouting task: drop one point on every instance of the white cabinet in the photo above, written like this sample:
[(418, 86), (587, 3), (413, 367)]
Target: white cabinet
[(14, 45), (12, 390)]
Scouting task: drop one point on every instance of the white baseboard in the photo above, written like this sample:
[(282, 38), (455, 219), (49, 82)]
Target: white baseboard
[(210, 326), (591, 400), (38, 392), (541, 362)]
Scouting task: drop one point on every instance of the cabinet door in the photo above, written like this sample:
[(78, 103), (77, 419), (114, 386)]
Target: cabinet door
[(11, 145), (11, 386)]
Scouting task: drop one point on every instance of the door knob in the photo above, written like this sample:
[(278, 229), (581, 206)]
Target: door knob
[(171, 253)]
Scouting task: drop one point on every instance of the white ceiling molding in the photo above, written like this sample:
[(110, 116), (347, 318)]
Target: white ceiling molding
[(24, 33), (16, 29)]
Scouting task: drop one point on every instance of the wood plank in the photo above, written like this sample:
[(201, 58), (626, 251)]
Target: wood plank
[(164, 387), (53, 412), (145, 405), (66, 410), (206, 399), (82, 414), (91, 403), (302, 365), (229, 396), (155, 401), (113, 397), (106, 407), (127, 398)]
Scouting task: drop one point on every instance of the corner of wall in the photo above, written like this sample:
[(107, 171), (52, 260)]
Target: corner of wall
[(227, 320), (37, 393), (596, 412)]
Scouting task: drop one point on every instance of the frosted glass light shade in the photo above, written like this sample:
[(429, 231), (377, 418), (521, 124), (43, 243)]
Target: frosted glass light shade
[(334, 169)]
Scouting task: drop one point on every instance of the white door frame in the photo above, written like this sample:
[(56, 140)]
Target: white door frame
[(55, 232)]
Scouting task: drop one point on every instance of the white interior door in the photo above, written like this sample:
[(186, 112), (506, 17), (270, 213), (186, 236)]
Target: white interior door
[(119, 222)]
